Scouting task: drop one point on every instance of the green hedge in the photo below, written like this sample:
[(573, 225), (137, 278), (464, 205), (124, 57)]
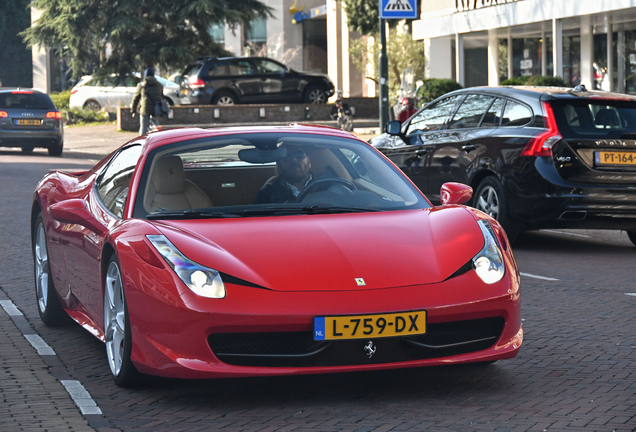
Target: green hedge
[(75, 116), (434, 88), (549, 81)]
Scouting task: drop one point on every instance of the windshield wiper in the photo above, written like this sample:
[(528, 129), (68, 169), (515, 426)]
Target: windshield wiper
[(308, 209), (191, 214)]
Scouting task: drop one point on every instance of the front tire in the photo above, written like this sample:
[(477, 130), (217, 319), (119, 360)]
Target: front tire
[(117, 332), (315, 95), (490, 199), (51, 312)]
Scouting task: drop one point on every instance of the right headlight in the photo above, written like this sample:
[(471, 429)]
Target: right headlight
[(202, 280), (489, 263)]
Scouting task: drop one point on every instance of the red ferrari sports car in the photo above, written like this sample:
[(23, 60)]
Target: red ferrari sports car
[(266, 251)]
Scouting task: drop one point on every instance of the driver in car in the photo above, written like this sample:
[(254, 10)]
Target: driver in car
[(294, 175)]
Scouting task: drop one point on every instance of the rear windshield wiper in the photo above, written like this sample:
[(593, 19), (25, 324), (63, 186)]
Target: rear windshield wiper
[(191, 214), (309, 209)]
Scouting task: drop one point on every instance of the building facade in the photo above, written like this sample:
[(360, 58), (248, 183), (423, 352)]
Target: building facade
[(482, 42)]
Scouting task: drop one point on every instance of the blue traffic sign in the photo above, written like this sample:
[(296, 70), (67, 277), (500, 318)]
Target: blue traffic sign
[(398, 9)]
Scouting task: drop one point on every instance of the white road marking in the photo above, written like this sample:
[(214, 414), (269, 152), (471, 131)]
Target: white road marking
[(631, 294), (537, 277), (81, 397), (567, 233), (10, 308), (38, 343)]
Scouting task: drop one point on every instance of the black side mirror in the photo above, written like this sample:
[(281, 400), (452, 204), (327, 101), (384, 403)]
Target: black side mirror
[(394, 127)]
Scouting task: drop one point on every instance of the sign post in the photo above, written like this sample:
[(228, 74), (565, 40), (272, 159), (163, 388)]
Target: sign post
[(390, 9)]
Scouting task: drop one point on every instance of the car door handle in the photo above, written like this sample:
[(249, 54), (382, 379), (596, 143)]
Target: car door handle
[(469, 148), (421, 151)]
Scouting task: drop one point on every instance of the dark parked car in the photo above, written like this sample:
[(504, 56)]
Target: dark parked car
[(537, 157), (229, 81), (29, 119)]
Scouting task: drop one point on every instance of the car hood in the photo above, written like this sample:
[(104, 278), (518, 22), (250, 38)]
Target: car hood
[(332, 252)]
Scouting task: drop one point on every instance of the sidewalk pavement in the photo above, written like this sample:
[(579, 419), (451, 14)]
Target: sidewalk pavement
[(95, 142), (32, 394)]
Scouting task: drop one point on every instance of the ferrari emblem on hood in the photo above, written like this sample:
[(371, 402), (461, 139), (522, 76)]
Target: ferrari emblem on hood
[(360, 282)]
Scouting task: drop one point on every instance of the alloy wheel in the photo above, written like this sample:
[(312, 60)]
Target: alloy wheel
[(225, 100), (317, 96), (41, 268), (488, 202), (114, 318)]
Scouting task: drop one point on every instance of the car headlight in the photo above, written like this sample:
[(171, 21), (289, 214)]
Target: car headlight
[(489, 263), (202, 280)]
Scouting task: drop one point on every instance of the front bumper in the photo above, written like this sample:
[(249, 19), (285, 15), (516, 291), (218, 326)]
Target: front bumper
[(189, 339)]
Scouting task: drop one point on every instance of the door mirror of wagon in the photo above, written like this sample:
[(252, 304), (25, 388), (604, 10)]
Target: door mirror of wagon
[(75, 211), (455, 193)]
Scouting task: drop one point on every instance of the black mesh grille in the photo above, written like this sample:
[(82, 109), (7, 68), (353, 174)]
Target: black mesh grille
[(300, 349)]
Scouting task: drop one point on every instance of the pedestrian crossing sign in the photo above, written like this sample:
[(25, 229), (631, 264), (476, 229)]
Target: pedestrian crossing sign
[(398, 9)]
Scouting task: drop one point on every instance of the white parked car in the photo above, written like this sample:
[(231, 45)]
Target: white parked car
[(112, 92)]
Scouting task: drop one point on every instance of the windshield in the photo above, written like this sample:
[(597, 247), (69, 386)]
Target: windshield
[(595, 119), (270, 174)]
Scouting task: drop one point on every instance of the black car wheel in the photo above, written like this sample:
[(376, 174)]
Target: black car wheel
[(490, 199), (92, 105), (57, 149), (117, 332), (224, 98), (49, 307), (315, 95), (632, 236)]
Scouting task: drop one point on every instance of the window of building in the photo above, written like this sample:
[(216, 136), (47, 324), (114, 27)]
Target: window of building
[(256, 35), (217, 32)]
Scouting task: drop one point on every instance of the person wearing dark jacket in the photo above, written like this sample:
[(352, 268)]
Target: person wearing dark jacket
[(294, 175), (149, 91)]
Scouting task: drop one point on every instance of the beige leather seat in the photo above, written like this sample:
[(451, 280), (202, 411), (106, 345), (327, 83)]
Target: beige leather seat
[(168, 188)]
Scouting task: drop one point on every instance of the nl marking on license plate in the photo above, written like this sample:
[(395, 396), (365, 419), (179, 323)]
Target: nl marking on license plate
[(28, 122), (367, 326), (614, 158)]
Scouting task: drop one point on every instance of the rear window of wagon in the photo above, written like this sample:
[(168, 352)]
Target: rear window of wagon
[(25, 100), (595, 119)]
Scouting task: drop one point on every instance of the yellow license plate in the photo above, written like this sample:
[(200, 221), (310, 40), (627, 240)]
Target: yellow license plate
[(28, 122), (615, 158), (370, 326)]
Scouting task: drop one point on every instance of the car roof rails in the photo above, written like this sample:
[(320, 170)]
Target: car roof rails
[(206, 58)]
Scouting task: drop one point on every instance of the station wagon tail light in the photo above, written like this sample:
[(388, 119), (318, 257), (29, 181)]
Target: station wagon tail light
[(541, 144), (196, 83), (201, 280), (3, 114), (54, 115), (21, 92), (489, 263), (73, 91)]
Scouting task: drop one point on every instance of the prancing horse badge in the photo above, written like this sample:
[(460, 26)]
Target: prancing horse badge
[(360, 282), (370, 349)]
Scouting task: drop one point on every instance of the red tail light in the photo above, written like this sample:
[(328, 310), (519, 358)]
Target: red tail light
[(3, 114), (21, 92), (73, 91), (541, 144), (54, 115), (196, 83)]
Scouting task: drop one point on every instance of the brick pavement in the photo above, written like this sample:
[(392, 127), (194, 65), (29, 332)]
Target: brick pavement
[(576, 370)]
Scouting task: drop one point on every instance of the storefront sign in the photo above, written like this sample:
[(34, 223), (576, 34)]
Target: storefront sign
[(466, 5)]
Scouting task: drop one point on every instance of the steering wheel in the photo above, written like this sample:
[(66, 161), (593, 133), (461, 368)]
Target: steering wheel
[(349, 185)]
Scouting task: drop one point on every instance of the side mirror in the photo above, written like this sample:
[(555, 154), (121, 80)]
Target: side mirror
[(394, 127), (75, 211), (455, 193)]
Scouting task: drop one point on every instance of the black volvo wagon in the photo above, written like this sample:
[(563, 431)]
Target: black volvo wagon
[(537, 157)]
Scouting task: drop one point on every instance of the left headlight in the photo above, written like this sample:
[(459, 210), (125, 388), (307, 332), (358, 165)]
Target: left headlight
[(202, 280), (489, 263)]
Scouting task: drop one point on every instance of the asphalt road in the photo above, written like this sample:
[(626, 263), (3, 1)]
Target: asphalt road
[(576, 370)]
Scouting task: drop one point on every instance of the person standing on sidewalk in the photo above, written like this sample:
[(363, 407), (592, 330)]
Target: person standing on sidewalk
[(149, 91)]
